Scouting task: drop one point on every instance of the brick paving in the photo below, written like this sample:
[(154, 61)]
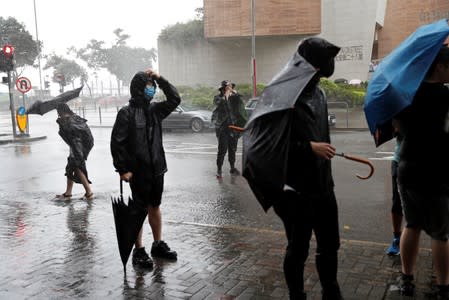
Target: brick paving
[(52, 249)]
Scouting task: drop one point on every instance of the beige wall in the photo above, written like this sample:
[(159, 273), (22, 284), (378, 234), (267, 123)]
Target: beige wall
[(404, 16), (208, 62), (232, 18)]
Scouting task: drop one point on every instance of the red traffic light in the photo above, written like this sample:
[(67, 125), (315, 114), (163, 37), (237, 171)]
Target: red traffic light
[(8, 50)]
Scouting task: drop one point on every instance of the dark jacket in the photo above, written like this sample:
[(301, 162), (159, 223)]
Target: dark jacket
[(229, 112), (308, 173), (75, 132), (136, 140)]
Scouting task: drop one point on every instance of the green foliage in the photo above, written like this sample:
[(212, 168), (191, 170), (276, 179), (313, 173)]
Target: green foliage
[(25, 48), (69, 68), (182, 34), (353, 95), (202, 96), (120, 59)]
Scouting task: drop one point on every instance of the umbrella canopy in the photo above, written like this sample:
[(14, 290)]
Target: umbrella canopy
[(40, 107), (266, 139), (128, 222), (398, 77)]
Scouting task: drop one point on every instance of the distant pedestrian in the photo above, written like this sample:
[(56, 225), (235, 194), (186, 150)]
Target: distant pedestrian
[(138, 155), (228, 111), (423, 175), (77, 135), (396, 208)]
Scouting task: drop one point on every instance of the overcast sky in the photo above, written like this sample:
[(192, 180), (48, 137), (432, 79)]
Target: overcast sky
[(64, 23)]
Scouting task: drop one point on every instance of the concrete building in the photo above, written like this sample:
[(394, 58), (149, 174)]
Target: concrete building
[(366, 31)]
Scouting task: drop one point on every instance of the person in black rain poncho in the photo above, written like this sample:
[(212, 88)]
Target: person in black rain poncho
[(308, 202), (139, 158), (74, 131)]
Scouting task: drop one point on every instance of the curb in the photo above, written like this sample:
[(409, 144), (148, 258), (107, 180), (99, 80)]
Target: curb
[(21, 139)]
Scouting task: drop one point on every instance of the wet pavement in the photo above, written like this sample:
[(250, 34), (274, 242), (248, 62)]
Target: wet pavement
[(227, 247)]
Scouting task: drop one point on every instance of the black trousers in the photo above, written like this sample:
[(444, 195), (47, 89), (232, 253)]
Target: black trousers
[(227, 142), (301, 215)]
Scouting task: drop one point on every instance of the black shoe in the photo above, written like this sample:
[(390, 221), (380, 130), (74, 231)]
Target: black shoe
[(443, 292), (332, 293), (219, 176), (406, 287), (160, 249), (141, 258), (234, 171)]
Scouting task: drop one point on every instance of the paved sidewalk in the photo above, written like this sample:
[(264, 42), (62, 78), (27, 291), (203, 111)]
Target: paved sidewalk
[(52, 249)]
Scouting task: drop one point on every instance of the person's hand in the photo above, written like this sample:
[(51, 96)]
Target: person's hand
[(324, 150), (126, 176), (152, 74)]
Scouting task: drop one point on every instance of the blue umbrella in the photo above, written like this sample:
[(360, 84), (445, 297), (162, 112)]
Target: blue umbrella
[(399, 75)]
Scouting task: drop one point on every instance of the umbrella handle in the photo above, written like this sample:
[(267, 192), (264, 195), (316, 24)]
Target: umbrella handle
[(121, 188), (360, 160), (236, 128)]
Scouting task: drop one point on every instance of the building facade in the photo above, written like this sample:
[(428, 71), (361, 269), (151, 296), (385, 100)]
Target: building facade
[(366, 31)]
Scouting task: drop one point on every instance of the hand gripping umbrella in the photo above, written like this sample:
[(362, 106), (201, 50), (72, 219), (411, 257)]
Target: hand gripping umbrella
[(398, 77), (347, 156), (42, 107), (128, 222)]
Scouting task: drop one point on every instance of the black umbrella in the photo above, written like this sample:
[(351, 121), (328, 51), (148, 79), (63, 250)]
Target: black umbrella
[(128, 222), (267, 134), (40, 107)]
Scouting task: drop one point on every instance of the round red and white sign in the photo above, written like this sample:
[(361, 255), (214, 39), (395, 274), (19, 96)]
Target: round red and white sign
[(23, 85)]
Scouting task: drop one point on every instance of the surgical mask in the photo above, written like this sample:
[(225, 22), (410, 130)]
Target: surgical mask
[(150, 91)]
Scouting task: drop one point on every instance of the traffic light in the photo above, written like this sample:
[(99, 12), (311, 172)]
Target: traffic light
[(7, 58)]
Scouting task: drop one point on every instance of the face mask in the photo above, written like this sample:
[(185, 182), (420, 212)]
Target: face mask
[(150, 91)]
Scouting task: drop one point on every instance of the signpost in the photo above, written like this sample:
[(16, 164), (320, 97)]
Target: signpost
[(23, 85)]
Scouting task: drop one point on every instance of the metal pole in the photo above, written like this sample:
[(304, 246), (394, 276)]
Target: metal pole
[(39, 56), (11, 106), (253, 47)]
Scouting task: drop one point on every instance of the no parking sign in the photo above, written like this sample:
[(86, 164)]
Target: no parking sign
[(23, 85)]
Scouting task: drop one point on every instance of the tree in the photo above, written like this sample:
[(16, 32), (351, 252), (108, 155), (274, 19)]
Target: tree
[(120, 59), (25, 48), (65, 70)]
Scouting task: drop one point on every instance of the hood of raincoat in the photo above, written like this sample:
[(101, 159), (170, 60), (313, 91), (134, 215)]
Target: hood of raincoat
[(320, 54), (138, 84)]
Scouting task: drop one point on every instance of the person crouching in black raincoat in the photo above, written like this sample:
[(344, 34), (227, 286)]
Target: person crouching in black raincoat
[(74, 131), (308, 203), (227, 112), (138, 155)]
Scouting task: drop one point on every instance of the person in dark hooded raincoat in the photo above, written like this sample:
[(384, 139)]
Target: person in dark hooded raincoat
[(228, 111), (76, 134), (138, 155), (308, 202)]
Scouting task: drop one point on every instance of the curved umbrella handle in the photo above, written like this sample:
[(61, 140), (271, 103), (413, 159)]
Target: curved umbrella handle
[(360, 160), (236, 128)]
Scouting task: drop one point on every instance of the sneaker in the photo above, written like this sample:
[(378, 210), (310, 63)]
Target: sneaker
[(219, 175), (141, 258), (406, 287), (160, 249), (234, 171), (394, 247)]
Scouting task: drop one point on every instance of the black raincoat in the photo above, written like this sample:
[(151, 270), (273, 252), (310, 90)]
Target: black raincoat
[(75, 132), (136, 141)]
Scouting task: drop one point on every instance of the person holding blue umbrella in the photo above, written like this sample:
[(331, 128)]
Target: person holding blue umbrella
[(408, 85), (424, 183)]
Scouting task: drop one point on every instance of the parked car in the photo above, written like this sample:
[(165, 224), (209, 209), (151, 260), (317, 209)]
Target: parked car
[(251, 105), (185, 116)]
